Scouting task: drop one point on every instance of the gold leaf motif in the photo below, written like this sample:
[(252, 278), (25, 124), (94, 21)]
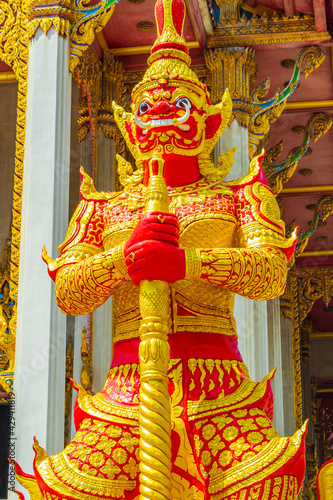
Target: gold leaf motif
[(106, 445), (128, 442), (206, 458), (114, 431), (90, 439), (110, 469), (132, 468), (216, 445), (263, 422), (239, 446)]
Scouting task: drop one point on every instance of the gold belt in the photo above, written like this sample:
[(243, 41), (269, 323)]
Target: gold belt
[(206, 324)]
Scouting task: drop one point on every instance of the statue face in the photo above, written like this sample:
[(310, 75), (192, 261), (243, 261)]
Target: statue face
[(171, 119), (175, 120)]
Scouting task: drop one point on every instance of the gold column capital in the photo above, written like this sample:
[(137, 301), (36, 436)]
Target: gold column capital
[(47, 13), (234, 68), (70, 18)]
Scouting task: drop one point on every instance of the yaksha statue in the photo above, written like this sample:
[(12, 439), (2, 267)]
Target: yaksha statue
[(178, 416)]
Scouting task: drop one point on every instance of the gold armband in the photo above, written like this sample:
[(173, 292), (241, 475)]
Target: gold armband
[(118, 257), (193, 263)]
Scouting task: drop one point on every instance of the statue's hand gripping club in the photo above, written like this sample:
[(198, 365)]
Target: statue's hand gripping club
[(154, 355), (152, 252)]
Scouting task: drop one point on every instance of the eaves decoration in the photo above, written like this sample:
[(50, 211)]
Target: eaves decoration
[(239, 31)]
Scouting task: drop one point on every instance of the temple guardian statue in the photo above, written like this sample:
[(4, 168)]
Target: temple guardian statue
[(178, 416)]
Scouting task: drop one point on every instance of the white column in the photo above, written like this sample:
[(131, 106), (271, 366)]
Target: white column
[(41, 328), (235, 135), (102, 344), (80, 323), (288, 380), (103, 316), (258, 324), (275, 361)]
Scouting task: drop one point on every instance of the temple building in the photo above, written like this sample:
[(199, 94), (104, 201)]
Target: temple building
[(62, 64)]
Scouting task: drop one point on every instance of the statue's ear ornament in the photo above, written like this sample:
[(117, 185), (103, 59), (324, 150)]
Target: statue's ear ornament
[(217, 121), (126, 175), (124, 121)]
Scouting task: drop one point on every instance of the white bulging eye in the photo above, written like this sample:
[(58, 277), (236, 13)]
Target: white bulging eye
[(183, 103), (144, 107)]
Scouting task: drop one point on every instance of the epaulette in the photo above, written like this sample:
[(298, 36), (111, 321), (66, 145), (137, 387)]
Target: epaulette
[(89, 192), (255, 174)]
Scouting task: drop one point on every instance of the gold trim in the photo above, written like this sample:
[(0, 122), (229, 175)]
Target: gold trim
[(323, 391), (101, 408), (318, 253), (119, 259), (215, 41), (193, 263), (272, 458), (142, 49), (7, 77), (307, 189), (309, 104), (102, 41), (321, 335), (14, 49), (59, 474), (248, 393)]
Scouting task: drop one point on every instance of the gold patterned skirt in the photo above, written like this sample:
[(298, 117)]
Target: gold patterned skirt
[(223, 442)]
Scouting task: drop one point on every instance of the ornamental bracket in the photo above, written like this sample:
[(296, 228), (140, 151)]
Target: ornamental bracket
[(263, 113), (279, 172)]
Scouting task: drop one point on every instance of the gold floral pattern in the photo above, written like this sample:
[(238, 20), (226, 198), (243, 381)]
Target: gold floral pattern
[(132, 468), (208, 432), (230, 433), (110, 469), (206, 458), (225, 458), (97, 459), (216, 445), (255, 437), (119, 455), (239, 446)]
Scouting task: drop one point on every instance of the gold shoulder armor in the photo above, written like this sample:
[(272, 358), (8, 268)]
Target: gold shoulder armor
[(89, 192), (255, 173), (261, 222)]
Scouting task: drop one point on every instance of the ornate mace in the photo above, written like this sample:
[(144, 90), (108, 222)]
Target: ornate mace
[(154, 355)]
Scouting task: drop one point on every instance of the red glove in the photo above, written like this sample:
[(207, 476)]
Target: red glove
[(155, 260), (159, 226)]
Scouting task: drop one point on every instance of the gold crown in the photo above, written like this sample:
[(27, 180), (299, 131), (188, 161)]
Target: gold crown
[(169, 62)]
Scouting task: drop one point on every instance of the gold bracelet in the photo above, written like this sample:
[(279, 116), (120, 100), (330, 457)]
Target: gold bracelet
[(118, 257), (193, 263)]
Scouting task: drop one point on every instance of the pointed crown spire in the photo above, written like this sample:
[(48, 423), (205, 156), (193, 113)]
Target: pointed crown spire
[(169, 61), (170, 17)]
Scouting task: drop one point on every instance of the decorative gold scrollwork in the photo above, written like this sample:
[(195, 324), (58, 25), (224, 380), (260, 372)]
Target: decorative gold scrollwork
[(279, 172), (14, 52), (304, 287)]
